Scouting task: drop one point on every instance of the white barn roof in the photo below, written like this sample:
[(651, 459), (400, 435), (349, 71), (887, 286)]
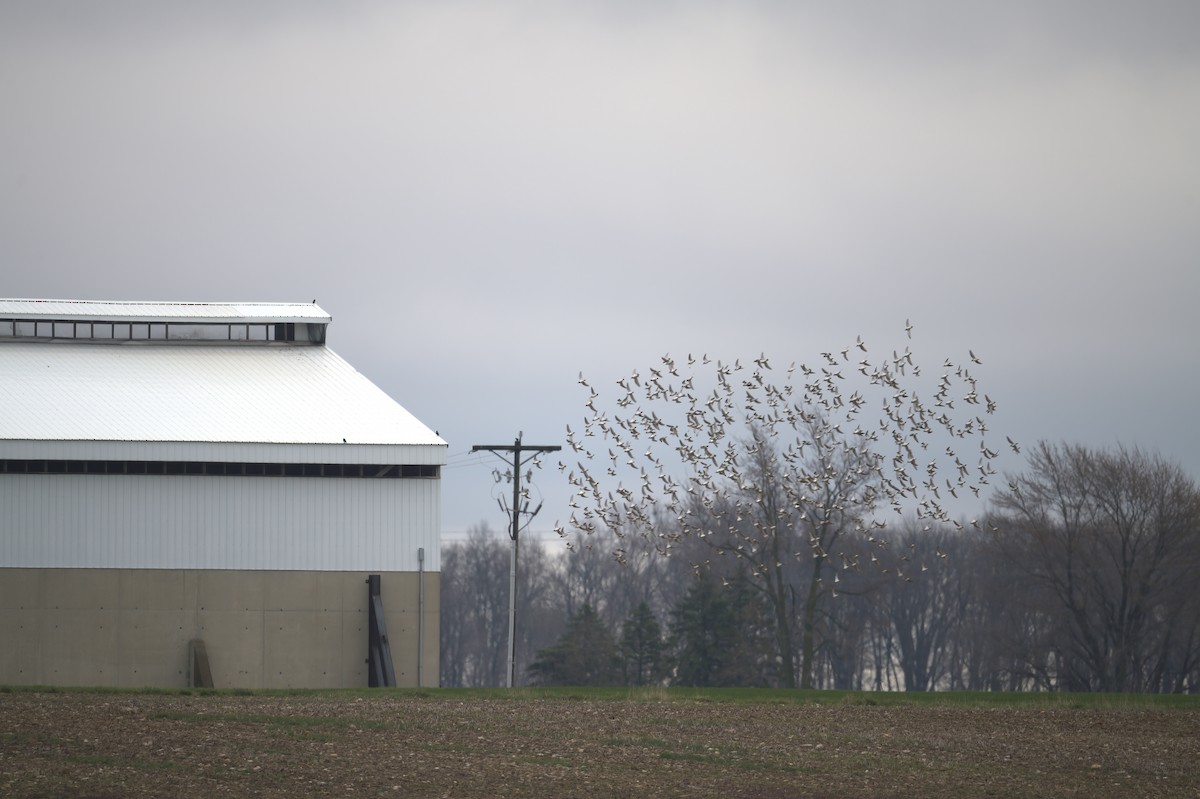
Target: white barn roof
[(212, 312), (216, 400)]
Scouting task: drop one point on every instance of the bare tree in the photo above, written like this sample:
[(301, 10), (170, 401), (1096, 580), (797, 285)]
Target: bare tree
[(1110, 539), (588, 573), (850, 622), (538, 608), (474, 607), (474, 591), (924, 612), (453, 630), (975, 649)]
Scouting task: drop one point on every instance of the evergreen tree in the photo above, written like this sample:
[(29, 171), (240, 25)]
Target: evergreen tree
[(720, 637), (642, 648), (753, 660), (701, 635), (586, 654)]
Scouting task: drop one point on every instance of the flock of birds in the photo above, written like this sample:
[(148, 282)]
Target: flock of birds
[(753, 456)]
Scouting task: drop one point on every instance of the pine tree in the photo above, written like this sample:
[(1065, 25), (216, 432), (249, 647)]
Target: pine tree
[(586, 654), (720, 636), (642, 650), (702, 635)]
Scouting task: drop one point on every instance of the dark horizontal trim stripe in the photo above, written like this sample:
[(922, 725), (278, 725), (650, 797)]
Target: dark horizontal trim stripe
[(202, 330), (219, 468)]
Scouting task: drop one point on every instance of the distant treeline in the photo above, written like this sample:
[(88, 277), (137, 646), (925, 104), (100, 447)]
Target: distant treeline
[(1081, 576)]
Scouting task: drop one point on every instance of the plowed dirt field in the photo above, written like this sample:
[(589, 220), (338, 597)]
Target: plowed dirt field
[(442, 743)]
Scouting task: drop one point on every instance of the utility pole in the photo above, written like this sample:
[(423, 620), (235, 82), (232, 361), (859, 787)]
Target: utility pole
[(514, 532)]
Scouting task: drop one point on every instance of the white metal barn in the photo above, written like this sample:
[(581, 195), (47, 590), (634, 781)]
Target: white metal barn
[(187, 478)]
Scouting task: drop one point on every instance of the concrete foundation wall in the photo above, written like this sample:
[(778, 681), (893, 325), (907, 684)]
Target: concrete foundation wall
[(262, 629)]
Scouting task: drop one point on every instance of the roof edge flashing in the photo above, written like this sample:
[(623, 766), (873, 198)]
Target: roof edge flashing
[(138, 311)]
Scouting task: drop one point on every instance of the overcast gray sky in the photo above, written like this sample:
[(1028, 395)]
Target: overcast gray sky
[(490, 197)]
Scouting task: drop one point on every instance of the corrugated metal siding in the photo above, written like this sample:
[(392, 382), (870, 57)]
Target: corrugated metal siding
[(160, 392), (83, 521), (103, 310)]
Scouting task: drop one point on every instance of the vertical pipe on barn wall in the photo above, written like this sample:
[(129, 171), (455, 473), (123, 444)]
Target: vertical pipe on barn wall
[(420, 615)]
